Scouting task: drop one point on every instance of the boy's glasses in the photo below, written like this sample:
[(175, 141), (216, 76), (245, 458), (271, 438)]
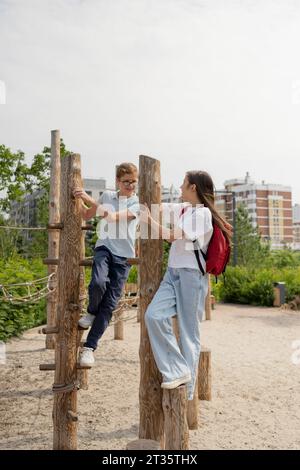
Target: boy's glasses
[(128, 183)]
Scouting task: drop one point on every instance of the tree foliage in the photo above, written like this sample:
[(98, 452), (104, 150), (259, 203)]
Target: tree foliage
[(18, 179), (250, 247)]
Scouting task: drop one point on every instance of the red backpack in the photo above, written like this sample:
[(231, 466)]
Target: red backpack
[(217, 255), (218, 252)]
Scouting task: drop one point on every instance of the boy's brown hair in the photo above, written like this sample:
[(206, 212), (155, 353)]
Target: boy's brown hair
[(126, 168)]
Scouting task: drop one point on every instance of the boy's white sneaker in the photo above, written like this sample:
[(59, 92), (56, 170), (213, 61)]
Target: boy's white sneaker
[(87, 320), (87, 357), (177, 382)]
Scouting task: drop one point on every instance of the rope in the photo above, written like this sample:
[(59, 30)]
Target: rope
[(14, 227), (124, 305), (123, 319), (31, 296), (64, 388), (21, 227), (36, 281), (126, 302)]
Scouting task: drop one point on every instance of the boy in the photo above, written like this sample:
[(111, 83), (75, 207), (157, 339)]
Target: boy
[(119, 210)]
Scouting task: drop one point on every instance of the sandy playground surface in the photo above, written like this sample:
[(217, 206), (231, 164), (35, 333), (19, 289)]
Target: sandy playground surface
[(256, 387)]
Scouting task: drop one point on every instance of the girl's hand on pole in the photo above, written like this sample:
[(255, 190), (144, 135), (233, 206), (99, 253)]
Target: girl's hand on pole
[(145, 215)]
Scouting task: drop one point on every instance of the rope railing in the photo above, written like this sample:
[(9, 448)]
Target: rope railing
[(20, 227), (125, 304), (8, 296)]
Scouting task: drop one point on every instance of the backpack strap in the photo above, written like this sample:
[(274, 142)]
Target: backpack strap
[(198, 259), (196, 251)]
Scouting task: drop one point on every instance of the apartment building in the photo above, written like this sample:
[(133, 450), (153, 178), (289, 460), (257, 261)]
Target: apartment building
[(269, 207), (296, 227), (170, 194), (25, 212), (94, 187)]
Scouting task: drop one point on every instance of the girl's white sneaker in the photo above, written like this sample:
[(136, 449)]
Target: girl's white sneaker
[(177, 382)]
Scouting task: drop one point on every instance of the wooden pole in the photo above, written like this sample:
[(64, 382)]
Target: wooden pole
[(137, 254), (53, 235), (175, 414), (151, 251), (192, 409), (208, 302), (83, 373), (65, 385), (204, 375), (119, 325), (192, 405)]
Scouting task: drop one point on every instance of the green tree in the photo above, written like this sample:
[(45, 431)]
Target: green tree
[(17, 179), (14, 180), (10, 240), (40, 179), (251, 250)]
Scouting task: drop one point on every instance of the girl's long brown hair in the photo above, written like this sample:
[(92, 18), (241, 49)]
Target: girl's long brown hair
[(205, 191)]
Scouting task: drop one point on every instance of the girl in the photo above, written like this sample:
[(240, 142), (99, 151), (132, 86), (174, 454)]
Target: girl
[(183, 289)]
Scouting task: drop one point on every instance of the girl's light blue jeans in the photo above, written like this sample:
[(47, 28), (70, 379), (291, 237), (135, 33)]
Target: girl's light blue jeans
[(182, 292)]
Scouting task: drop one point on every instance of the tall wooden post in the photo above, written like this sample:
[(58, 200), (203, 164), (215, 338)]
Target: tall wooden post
[(53, 235), (65, 385), (192, 405), (151, 253), (82, 373)]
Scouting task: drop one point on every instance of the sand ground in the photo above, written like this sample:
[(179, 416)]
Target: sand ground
[(256, 387)]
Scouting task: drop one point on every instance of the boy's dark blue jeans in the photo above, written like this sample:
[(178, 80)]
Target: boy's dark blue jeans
[(109, 274)]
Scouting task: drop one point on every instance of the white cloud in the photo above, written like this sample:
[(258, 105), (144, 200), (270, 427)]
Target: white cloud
[(197, 84)]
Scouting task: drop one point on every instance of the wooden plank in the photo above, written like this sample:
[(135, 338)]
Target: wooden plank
[(49, 329), (89, 261), (51, 262), (52, 367)]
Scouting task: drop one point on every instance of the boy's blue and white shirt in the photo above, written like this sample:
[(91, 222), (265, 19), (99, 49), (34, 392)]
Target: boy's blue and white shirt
[(119, 237)]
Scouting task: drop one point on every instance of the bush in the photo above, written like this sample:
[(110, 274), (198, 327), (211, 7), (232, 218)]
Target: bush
[(14, 318), (255, 286), (133, 275)]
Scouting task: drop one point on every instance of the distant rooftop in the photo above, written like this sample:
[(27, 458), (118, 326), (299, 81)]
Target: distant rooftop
[(247, 181)]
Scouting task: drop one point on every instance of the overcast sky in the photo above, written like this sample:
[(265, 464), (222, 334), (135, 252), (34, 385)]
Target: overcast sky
[(198, 84)]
